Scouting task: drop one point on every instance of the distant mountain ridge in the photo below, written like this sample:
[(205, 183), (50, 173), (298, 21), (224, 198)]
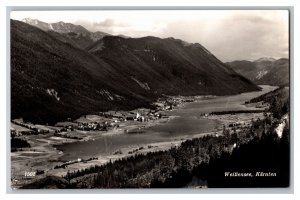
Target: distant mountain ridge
[(264, 71), (52, 80), (76, 35), (263, 59)]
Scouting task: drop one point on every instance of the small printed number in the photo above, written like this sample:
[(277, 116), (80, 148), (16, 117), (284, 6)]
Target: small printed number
[(30, 174)]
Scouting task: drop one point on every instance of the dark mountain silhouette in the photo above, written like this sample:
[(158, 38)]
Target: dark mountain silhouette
[(264, 71), (53, 80), (170, 65)]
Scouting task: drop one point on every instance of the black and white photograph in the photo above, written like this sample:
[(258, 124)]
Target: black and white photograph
[(119, 99)]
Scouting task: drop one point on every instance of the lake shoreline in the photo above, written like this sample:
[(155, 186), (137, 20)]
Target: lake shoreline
[(51, 155)]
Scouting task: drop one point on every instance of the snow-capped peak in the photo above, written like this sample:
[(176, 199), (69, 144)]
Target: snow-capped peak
[(265, 59), (30, 21)]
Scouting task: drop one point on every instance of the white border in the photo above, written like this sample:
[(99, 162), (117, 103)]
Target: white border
[(4, 77)]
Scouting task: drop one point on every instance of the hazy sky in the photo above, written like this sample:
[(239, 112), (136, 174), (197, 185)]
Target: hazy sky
[(229, 34)]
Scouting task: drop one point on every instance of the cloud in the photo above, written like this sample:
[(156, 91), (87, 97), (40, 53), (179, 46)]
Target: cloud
[(109, 23), (249, 37), (239, 36)]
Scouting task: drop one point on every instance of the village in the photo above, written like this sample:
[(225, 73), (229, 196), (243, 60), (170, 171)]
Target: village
[(101, 122)]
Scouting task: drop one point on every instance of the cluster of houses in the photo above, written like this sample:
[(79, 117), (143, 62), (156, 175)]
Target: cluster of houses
[(94, 126), (105, 119), (141, 115), (169, 102), (82, 124), (101, 122)]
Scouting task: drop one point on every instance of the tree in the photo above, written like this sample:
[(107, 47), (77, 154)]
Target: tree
[(69, 176)]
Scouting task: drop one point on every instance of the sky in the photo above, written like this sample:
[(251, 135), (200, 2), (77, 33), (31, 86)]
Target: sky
[(228, 34)]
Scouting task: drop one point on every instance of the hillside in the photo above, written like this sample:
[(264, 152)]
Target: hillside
[(264, 71), (53, 80), (170, 66), (279, 101)]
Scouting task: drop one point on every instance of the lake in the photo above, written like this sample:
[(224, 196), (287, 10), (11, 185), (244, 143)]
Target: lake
[(186, 123)]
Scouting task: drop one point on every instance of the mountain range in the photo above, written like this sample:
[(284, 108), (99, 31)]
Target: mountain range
[(55, 76), (76, 35), (264, 71)]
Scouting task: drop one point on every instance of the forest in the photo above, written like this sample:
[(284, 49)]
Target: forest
[(278, 100)]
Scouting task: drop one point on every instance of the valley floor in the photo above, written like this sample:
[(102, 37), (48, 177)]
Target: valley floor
[(42, 155)]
